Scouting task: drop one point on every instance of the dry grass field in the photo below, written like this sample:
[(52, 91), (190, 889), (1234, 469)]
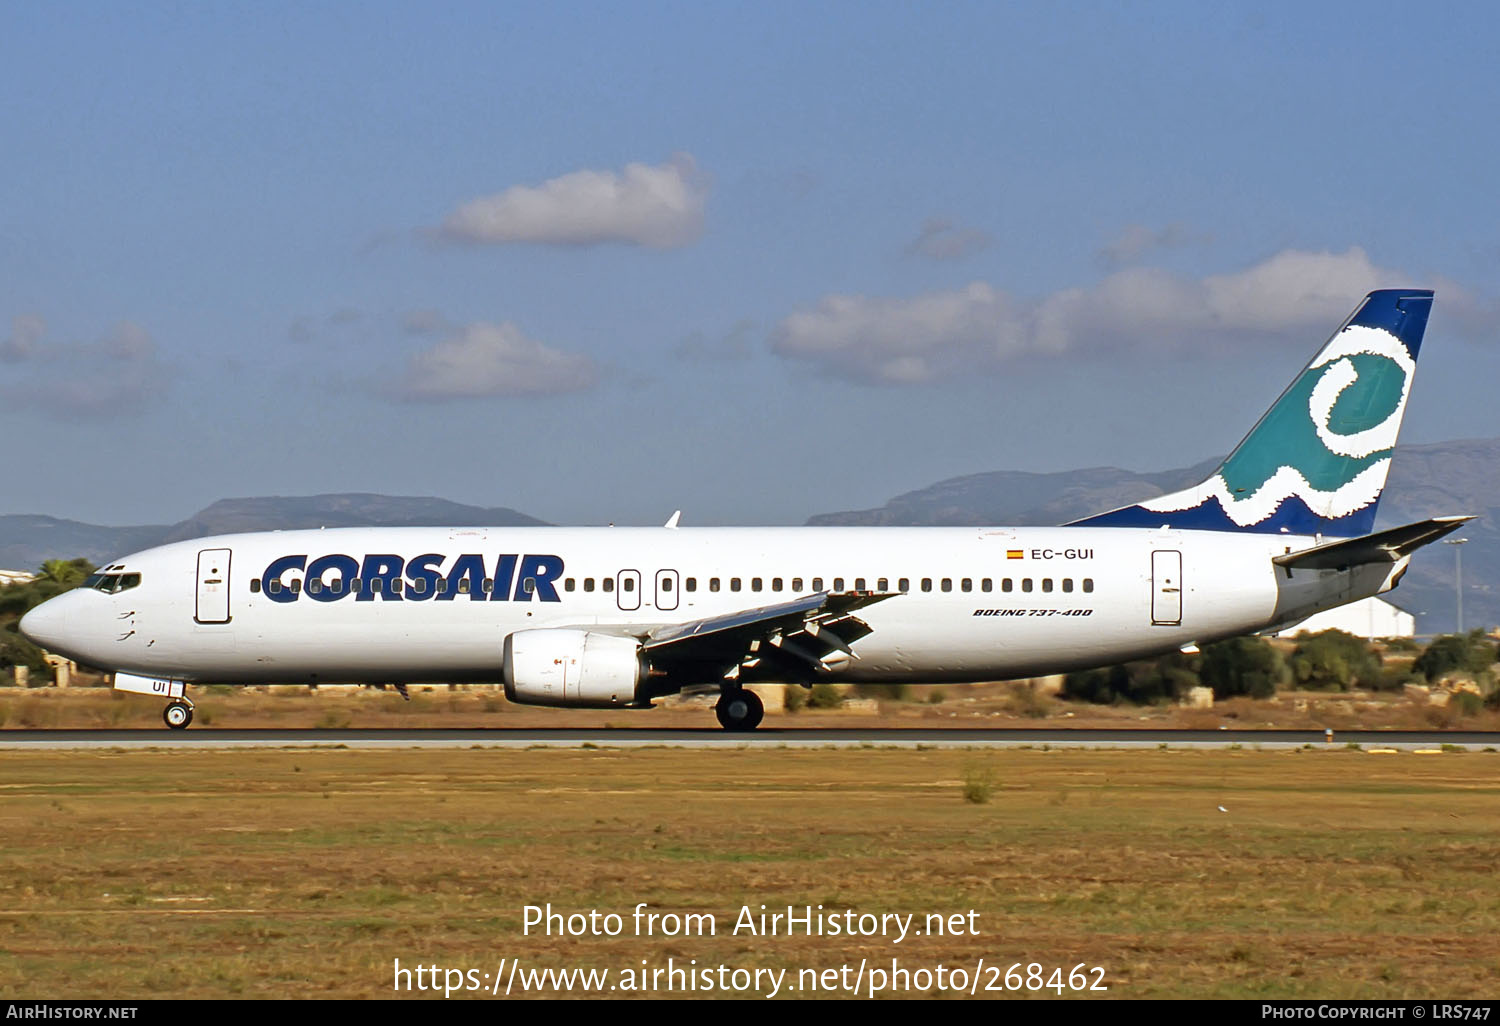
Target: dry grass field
[(963, 705), (305, 873)]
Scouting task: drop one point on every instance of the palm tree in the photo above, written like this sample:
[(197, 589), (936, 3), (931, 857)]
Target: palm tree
[(66, 573)]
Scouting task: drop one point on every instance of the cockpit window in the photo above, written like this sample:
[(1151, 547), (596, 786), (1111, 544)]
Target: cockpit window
[(112, 583)]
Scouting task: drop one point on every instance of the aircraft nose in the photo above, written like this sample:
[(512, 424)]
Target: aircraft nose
[(45, 625)]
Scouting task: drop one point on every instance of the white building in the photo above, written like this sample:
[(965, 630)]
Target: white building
[(8, 577), (1368, 618)]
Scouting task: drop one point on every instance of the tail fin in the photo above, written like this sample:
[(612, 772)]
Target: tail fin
[(1317, 461)]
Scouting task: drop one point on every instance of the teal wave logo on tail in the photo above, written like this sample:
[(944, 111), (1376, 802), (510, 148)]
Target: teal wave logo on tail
[(1317, 461)]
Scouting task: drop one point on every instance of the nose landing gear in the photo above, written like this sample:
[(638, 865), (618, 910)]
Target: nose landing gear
[(178, 714)]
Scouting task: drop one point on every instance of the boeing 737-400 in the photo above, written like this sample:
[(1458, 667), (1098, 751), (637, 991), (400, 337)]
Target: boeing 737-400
[(616, 617)]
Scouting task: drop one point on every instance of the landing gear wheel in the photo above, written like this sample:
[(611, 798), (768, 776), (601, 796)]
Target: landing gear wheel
[(178, 715), (739, 710)]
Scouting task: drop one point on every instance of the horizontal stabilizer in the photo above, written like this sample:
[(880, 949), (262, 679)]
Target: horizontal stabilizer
[(1383, 547)]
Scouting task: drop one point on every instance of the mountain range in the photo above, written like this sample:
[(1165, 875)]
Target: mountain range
[(1425, 481), (27, 540)]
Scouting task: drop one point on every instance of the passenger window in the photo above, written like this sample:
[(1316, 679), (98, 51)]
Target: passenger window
[(713, 584), (607, 584), (838, 584), (529, 585), (463, 585), (254, 586), (1026, 584), (883, 584), (947, 584), (817, 584), (296, 588), (692, 584), (442, 586), (796, 584), (776, 584), (904, 585), (274, 587), (315, 586), (488, 585), (666, 584), (1067, 584), (628, 584), (755, 584), (967, 584), (927, 584), (1046, 584), (859, 584), (734, 584), (588, 584), (986, 585), (1007, 585), (1088, 584), (568, 584)]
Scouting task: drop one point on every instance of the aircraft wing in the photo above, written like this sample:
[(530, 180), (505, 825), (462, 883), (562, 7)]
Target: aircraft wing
[(1382, 547), (803, 638)]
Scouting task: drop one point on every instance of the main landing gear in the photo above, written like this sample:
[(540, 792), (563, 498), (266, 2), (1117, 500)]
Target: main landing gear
[(739, 709), (178, 713)]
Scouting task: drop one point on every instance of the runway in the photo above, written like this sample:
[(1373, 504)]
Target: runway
[(201, 739)]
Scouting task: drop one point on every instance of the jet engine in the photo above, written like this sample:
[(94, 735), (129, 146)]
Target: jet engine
[(559, 666)]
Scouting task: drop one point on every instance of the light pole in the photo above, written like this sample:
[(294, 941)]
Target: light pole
[(1458, 577)]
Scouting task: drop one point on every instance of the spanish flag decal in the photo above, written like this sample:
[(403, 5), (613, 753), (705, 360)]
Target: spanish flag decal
[(1013, 553)]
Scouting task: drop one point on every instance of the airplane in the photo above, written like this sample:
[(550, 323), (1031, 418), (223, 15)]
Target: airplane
[(616, 617)]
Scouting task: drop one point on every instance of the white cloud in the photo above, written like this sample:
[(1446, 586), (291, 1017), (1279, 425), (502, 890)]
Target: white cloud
[(659, 207), (902, 341), (734, 345), (425, 322), (1137, 240), (485, 360), (1293, 296), (339, 324), (26, 330), (943, 240), (119, 374)]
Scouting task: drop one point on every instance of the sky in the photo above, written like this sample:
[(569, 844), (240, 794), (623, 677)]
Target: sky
[(601, 261)]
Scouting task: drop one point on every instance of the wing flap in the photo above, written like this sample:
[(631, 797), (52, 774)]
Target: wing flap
[(812, 633)]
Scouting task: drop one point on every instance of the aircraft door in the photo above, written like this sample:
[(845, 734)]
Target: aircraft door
[(666, 589), (628, 589), (213, 586), (1166, 587)]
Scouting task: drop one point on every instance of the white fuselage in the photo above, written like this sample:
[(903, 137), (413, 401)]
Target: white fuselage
[(973, 603)]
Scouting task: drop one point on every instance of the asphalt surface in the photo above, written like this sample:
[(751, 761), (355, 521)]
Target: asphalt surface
[(203, 738)]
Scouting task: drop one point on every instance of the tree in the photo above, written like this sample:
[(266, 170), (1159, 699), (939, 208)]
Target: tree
[(1138, 683), (1243, 666), (56, 576), (1335, 659), (1469, 654), (17, 651), (66, 573)]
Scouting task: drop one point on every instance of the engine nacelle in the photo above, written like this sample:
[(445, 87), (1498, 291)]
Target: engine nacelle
[(557, 666)]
